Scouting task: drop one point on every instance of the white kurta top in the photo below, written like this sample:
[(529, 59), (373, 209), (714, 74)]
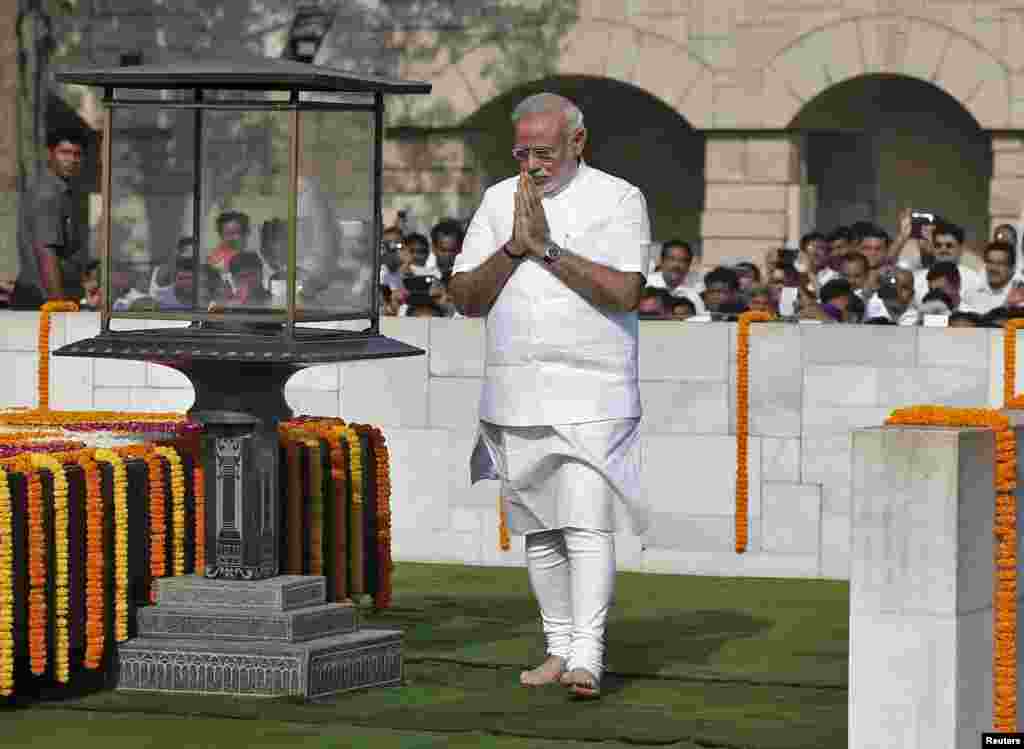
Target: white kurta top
[(560, 407), (551, 356)]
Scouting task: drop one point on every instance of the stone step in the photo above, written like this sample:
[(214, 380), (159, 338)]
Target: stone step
[(247, 623), (327, 665), (281, 593)]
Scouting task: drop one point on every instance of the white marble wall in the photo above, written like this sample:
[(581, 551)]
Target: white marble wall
[(811, 385)]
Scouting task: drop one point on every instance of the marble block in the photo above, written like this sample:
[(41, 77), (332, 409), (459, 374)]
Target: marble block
[(921, 587)]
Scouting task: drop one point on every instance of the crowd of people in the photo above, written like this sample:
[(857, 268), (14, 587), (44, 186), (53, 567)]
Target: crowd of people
[(853, 274)]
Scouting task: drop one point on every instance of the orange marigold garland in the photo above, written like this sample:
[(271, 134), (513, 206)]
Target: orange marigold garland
[(37, 611), (178, 514), (504, 542), (1004, 666), (120, 542), (199, 491), (95, 563), (157, 522), (1010, 399), (6, 588), (44, 348), (62, 603), (316, 507), (383, 475), (743, 422)]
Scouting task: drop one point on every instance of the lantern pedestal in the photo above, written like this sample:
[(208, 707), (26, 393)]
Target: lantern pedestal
[(275, 637)]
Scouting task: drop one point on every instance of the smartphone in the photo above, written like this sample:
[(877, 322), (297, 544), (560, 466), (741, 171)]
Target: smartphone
[(919, 219)]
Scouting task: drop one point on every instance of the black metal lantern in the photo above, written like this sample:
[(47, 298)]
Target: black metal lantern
[(258, 182)]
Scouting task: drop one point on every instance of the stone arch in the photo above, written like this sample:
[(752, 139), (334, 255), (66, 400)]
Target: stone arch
[(612, 49), (889, 44)]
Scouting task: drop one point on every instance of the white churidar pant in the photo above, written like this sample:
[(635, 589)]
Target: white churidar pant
[(569, 488)]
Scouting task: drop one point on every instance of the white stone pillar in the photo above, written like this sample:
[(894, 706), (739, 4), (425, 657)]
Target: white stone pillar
[(921, 587)]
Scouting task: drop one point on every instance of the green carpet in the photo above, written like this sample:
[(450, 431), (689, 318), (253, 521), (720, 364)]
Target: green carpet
[(692, 662)]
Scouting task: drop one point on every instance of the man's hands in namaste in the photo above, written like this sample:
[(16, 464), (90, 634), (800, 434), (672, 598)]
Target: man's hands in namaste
[(530, 227)]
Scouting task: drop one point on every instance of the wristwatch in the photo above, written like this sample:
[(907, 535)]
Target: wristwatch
[(551, 252)]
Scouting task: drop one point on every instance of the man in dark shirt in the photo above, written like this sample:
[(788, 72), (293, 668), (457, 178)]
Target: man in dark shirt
[(51, 247)]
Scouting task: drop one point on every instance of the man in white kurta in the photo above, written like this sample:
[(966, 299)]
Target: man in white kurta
[(554, 258)]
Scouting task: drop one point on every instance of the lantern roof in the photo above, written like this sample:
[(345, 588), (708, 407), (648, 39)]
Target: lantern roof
[(241, 73)]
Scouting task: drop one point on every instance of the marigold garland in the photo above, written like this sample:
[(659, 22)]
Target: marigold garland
[(504, 542), (37, 610), (383, 473), (1004, 666), (44, 348), (178, 499), (1010, 328), (6, 588), (743, 422), (95, 565), (316, 507), (120, 541), (157, 522), (357, 583), (62, 604), (199, 492)]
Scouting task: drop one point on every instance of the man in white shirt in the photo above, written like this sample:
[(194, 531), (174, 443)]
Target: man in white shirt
[(555, 259), (894, 299), (999, 278), (948, 246), (675, 275)]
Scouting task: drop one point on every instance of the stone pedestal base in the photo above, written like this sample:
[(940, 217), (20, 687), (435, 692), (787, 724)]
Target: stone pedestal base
[(921, 582), (267, 638)]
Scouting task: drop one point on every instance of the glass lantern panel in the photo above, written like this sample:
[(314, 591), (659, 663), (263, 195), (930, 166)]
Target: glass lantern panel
[(244, 211), (335, 260), (241, 96), (155, 95), (152, 178), (350, 98)]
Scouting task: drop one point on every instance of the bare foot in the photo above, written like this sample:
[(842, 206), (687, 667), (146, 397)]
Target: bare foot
[(582, 683), (546, 673)]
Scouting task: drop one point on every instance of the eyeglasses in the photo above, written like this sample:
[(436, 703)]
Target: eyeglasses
[(945, 245), (543, 154)]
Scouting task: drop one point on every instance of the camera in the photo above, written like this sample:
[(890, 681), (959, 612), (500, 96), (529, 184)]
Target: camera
[(887, 286), (393, 245), (918, 220)]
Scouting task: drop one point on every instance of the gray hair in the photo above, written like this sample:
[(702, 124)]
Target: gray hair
[(547, 102)]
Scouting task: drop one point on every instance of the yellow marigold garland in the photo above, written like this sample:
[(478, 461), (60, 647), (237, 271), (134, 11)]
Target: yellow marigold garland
[(199, 491), (44, 348), (1004, 666), (157, 522), (95, 563), (743, 422), (178, 499), (37, 609), (120, 541), (62, 603), (356, 585), (6, 588)]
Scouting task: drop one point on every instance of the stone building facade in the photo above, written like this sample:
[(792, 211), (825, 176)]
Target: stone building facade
[(745, 122)]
